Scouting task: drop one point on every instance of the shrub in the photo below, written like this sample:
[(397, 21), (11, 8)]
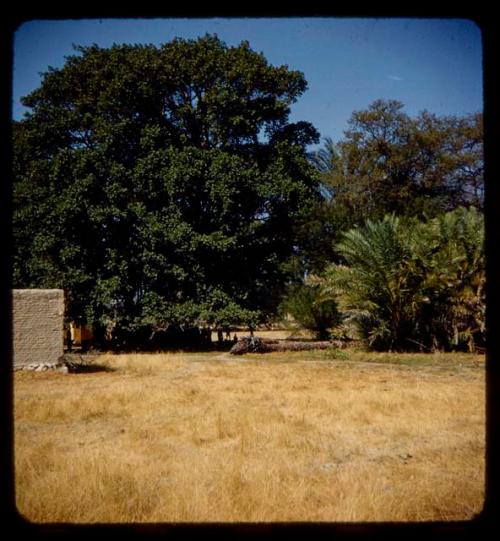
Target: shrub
[(413, 284), (304, 304)]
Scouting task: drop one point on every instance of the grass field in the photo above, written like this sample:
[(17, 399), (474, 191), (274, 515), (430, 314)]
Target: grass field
[(303, 436)]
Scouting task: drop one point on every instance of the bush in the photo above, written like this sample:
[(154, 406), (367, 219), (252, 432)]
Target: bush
[(413, 285), (304, 304)]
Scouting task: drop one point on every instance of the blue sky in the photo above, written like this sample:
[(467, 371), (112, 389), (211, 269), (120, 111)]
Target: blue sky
[(433, 64)]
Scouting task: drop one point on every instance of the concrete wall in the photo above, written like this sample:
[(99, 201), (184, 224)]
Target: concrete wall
[(38, 320)]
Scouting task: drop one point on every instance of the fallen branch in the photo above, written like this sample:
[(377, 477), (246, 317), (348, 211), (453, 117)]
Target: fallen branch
[(258, 345)]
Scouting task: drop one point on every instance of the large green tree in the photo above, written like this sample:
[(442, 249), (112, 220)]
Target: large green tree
[(162, 186)]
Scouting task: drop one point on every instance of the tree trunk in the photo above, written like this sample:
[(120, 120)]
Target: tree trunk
[(258, 345)]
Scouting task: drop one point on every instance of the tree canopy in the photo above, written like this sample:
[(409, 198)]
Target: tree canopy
[(389, 162), (162, 186)]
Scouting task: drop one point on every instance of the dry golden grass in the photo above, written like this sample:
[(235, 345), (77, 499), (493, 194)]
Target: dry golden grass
[(275, 437)]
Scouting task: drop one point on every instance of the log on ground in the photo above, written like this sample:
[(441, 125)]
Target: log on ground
[(258, 345)]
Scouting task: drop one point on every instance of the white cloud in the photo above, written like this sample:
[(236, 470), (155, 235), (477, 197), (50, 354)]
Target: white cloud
[(394, 78)]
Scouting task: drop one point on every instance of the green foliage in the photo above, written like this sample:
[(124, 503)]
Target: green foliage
[(162, 186), (304, 304), (393, 163), (454, 313), (410, 283), (373, 288), (389, 162)]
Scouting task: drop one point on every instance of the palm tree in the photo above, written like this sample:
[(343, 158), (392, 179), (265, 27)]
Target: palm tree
[(376, 287), (325, 161), (325, 158), (410, 283), (455, 279)]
